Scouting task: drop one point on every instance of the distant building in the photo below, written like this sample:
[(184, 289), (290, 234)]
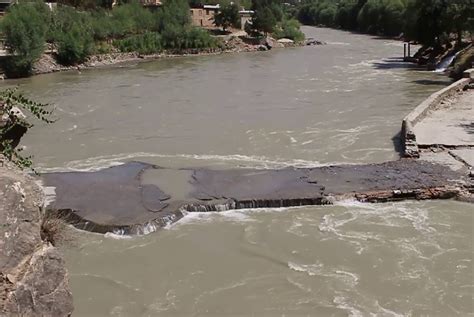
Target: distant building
[(204, 15), (4, 4), (245, 16), (151, 3)]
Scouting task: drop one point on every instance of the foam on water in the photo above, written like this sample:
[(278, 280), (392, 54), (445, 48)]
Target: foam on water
[(349, 279), (112, 235), (344, 303), (338, 43), (100, 162), (310, 269)]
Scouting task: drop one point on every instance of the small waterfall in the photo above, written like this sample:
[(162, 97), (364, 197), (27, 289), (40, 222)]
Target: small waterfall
[(445, 62)]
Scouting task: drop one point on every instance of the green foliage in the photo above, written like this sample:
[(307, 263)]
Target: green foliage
[(264, 20), (227, 16), (130, 18), (24, 27), (382, 16), (147, 43), (173, 15), (171, 38), (289, 29), (198, 38), (267, 13), (9, 99), (71, 32), (78, 33), (427, 21), (87, 4)]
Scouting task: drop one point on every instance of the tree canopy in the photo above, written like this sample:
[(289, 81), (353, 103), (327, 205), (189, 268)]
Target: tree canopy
[(429, 22), (24, 27), (227, 16)]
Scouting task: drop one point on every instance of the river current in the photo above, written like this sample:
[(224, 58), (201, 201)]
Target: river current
[(338, 103)]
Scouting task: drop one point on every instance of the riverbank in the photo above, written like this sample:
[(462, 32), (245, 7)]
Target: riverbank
[(33, 276), (235, 44)]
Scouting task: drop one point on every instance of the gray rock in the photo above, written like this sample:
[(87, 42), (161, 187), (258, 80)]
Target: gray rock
[(33, 277), (272, 43), (285, 41), (311, 41)]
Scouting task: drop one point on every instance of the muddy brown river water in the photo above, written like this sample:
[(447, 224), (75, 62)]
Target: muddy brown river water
[(338, 103)]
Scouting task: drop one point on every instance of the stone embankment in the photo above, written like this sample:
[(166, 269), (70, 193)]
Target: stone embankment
[(33, 277)]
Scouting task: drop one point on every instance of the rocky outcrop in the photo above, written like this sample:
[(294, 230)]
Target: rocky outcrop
[(464, 60), (33, 277), (8, 121), (311, 41)]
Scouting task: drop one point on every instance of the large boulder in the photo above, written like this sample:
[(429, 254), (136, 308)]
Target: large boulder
[(285, 41), (270, 42), (33, 276)]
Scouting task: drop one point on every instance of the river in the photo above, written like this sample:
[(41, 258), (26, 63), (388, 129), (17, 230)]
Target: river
[(338, 103)]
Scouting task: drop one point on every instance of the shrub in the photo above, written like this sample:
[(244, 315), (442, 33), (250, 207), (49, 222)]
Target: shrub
[(147, 43), (382, 17), (53, 228), (24, 28), (198, 38), (130, 18), (74, 46), (173, 15), (289, 29), (71, 32)]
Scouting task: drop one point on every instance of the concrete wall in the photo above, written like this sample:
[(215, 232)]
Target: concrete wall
[(416, 115)]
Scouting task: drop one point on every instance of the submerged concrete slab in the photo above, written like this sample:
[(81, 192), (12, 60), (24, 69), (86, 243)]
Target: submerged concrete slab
[(109, 199), (443, 158), (451, 123), (465, 155), (137, 197)]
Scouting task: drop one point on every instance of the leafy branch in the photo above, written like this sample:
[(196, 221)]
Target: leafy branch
[(12, 102)]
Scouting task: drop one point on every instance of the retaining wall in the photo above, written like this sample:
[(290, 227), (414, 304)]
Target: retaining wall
[(410, 144)]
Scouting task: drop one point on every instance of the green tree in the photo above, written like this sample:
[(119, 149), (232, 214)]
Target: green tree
[(460, 17), (24, 28), (289, 29), (87, 4), (227, 16), (264, 20), (72, 34), (429, 21), (267, 13), (174, 14)]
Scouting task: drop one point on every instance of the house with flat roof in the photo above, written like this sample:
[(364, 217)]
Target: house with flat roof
[(204, 15), (4, 4)]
